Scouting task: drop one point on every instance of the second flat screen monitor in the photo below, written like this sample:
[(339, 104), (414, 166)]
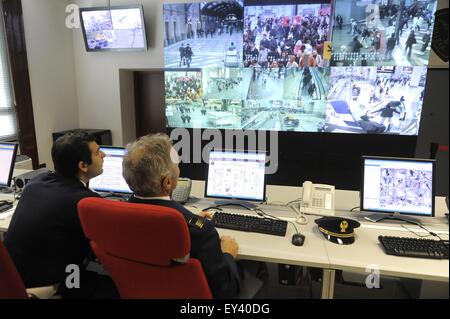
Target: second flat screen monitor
[(236, 175), (117, 28), (398, 185), (111, 180)]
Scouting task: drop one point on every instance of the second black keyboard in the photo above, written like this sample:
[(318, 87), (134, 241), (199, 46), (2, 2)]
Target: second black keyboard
[(415, 247), (250, 223)]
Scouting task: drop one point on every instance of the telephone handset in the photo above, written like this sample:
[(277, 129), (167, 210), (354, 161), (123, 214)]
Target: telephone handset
[(318, 199), (182, 191)]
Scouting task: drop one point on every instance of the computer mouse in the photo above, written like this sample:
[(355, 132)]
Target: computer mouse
[(298, 239)]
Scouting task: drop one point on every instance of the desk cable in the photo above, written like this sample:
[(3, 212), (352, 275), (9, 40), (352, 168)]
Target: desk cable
[(301, 219), (430, 233), (263, 214), (277, 202), (219, 206), (298, 200)]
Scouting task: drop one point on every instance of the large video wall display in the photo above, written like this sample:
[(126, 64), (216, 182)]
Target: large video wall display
[(332, 66)]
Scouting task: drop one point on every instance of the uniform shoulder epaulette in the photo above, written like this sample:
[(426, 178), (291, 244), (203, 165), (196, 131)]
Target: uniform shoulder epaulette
[(196, 222)]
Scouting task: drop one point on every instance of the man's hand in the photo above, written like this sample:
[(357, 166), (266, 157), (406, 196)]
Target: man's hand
[(205, 214), (229, 245)]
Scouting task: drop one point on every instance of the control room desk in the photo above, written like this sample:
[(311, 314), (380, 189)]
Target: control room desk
[(277, 249), (320, 253), (364, 255)]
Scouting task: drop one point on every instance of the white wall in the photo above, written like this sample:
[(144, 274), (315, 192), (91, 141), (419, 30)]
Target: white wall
[(72, 88), (51, 66), (97, 73)]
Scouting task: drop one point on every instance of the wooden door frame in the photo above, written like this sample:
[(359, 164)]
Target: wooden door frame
[(17, 51)]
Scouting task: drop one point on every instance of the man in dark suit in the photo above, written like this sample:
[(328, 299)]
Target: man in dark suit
[(151, 170), (45, 234)]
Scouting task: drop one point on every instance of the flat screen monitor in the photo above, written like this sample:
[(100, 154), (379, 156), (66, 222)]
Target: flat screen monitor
[(236, 175), (8, 152), (400, 186), (118, 28), (111, 180)]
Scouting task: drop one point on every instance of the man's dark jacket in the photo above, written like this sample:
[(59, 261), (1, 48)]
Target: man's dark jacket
[(45, 234)]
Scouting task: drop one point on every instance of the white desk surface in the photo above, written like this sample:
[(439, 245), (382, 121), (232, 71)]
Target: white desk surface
[(318, 252), (365, 251), (5, 217), (368, 251), (278, 249)]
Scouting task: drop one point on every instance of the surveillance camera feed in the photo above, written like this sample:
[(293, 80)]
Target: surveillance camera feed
[(113, 29), (203, 34), (286, 76), (247, 98), (379, 32), (289, 34), (375, 100), (411, 187), (398, 185)]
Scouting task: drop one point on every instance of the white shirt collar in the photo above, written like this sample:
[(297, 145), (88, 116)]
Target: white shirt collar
[(85, 185), (162, 198)]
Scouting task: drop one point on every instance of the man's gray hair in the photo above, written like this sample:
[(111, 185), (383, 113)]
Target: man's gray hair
[(146, 163)]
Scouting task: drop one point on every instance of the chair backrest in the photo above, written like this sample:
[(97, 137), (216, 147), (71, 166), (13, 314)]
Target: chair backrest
[(138, 243), (11, 285)]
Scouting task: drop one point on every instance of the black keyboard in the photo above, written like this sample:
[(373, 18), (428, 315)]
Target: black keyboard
[(250, 223), (5, 207), (415, 247)]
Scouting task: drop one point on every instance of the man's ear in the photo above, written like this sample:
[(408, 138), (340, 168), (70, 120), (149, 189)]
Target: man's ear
[(82, 166), (166, 184)]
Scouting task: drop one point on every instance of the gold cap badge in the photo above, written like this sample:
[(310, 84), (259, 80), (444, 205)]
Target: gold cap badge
[(344, 226)]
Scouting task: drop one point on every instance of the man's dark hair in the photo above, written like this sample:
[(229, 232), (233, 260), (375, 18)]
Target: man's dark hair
[(69, 150)]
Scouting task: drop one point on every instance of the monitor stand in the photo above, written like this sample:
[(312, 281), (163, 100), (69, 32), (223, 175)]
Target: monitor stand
[(242, 203), (395, 216)]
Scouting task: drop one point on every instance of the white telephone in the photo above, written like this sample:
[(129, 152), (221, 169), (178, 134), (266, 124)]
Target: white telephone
[(318, 199), (182, 191)]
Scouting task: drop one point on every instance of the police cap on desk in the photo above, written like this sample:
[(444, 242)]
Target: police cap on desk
[(338, 230)]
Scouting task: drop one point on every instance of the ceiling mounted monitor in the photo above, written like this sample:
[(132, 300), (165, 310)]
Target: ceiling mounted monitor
[(119, 28)]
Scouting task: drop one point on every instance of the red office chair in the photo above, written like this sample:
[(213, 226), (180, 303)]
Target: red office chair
[(138, 243), (12, 286)]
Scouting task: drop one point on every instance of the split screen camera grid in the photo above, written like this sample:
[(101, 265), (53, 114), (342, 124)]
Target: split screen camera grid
[(305, 66)]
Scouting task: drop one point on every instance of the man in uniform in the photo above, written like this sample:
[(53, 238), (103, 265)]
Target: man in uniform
[(151, 170), (45, 235)]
